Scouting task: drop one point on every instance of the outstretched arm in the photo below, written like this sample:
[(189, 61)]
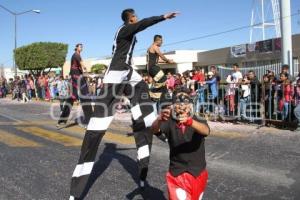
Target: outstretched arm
[(132, 29), (162, 56)]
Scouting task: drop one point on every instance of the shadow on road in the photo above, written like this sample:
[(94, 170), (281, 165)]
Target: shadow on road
[(148, 194), (67, 126), (111, 152)]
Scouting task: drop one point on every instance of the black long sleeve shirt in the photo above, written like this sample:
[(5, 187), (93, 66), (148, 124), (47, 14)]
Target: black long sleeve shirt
[(125, 41)]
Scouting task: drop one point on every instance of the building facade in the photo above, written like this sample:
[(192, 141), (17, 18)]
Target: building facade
[(260, 57), (184, 60)]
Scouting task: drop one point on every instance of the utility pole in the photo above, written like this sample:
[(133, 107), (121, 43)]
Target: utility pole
[(286, 32), (15, 14)]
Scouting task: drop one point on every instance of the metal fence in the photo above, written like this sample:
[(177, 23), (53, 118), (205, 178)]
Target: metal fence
[(259, 68), (262, 104)]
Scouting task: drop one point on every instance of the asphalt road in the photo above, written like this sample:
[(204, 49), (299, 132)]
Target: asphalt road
[(37, 160)]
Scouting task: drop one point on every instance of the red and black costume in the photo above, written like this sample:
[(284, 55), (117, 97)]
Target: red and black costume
[(78, 91), (187, 176)]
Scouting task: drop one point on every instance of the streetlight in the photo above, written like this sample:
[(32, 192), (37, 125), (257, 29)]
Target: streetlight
[(15, 14)]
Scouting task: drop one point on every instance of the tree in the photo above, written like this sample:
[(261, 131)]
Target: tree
[(37, 57), (98, 68)]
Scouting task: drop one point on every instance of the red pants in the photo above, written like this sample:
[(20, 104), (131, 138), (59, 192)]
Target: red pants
[(186, 186), (231, 103)]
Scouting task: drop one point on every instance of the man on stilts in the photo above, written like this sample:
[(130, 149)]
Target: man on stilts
[(120, 79), (78, 90)]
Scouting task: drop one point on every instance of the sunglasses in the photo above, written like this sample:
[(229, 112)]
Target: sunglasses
[(182, 99)]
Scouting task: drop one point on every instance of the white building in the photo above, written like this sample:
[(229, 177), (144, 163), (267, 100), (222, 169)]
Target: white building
[(9, 72), (184, 60)]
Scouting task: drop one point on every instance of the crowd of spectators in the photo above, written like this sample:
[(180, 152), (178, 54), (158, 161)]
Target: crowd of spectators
[(43, 87), (242, 96), (239, 95)]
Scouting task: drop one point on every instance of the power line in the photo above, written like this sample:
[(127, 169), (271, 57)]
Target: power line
[(218, 33)]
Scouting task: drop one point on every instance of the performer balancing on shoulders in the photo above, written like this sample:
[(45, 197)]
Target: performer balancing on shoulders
[(120, 79), (187, 176), (159, 90)]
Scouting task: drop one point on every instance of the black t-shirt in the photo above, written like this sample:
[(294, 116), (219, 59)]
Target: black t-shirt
[(255, 89), (75, 64), (187, 151), (218, 77), (152, 59)]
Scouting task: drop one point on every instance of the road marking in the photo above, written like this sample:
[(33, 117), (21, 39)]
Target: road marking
[(7, 123), (10, 117), (27, 123), (118, 138), (52, 136), (13, 140)]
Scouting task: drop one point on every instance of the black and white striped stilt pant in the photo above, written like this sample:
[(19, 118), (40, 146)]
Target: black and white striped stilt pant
[(143, 116)]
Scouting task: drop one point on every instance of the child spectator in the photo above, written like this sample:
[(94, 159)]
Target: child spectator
[(177, 80), (63, 91), (230, 93), (213, 87), (245, 97), (170, 81)]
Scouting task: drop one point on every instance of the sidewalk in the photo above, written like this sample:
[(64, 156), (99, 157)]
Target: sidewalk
[(34, 100), (246, 129), (122, 121)]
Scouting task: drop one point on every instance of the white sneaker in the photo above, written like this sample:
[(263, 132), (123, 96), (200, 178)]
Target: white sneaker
[(142, 184)]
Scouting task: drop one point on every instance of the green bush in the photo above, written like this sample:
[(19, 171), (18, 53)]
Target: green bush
[(39, 56), (98, 68)]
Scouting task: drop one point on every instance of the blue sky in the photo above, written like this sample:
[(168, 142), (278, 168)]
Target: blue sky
[(94, 22)]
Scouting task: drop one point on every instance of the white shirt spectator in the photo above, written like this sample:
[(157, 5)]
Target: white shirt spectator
[(230, 89), (62, 87), (245, 90), (99, 82), (237, 76)]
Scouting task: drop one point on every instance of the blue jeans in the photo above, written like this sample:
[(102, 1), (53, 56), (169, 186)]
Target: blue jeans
[(29, 94), (201, 98), (98, 91), (243, 106), (43, 92), (3, 91), (52, 92), (297, 113), (285, 114)]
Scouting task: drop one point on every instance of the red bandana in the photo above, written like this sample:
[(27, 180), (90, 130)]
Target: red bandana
[(182, 127)]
